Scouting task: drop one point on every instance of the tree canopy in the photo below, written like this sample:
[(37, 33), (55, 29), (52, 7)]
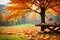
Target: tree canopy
[(19, 8)]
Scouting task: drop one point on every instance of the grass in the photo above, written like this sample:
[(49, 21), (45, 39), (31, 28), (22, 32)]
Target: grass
[(15, 37), (19, 26), (11, 37)]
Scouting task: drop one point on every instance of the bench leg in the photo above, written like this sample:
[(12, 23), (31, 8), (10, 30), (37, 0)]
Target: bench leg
[(42, 28)]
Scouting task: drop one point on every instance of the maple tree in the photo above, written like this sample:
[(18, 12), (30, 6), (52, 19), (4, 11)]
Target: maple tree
[(19, 8), (22, 7)]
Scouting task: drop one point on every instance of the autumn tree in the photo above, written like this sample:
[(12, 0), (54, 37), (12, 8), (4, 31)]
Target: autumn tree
[(1, 18), (19, 8)]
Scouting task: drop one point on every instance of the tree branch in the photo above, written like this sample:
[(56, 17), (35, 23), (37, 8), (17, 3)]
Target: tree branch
[(36, 2), (31, 8), (47, 18), (54, 5), (39, 2), (48, 4), (55, 10), (34, 10), (37, 5)]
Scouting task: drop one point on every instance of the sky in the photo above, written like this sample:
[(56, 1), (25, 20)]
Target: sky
[(4, 2)]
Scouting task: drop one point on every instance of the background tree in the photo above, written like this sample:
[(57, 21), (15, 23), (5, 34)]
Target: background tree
[(1, 18), (21, 7)]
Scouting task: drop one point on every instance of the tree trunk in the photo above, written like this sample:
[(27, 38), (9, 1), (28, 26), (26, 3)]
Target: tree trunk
[(42, 17)]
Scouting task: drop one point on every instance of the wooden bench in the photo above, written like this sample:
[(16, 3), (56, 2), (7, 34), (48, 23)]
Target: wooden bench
[(52, 30)]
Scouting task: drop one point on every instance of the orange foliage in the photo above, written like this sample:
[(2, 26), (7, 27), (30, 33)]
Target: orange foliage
[(33, 15), (21, 7), (52, 12), (2, 16)]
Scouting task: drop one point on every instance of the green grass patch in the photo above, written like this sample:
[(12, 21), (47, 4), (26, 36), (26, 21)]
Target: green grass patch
[(11, 37), (19, 26)]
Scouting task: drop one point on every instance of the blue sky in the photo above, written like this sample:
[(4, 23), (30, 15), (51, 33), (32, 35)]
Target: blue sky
[(4, 2)]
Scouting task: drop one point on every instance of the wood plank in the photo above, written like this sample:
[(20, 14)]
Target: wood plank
[(48, 25)]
